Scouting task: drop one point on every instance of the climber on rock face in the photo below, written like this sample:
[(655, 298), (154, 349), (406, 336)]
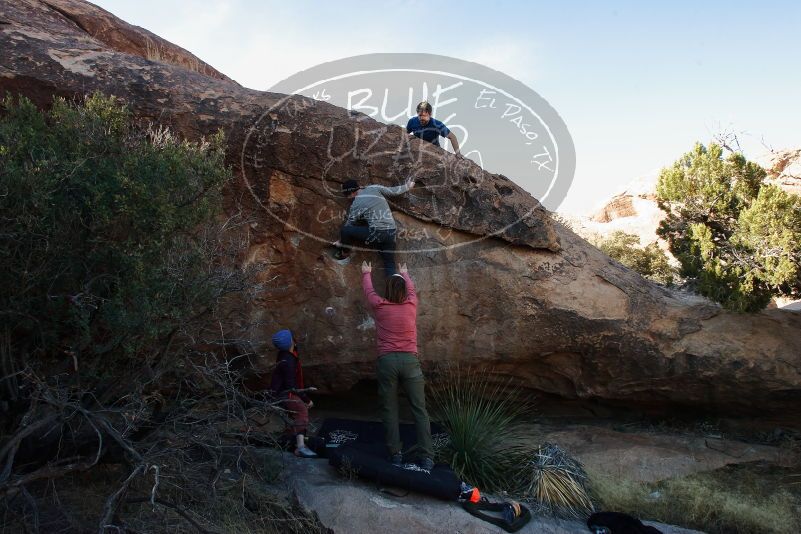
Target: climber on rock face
[(427, 128), (370, 220)]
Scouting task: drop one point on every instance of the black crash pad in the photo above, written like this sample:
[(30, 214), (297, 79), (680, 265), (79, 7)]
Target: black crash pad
[(335, 432), (369, 461)]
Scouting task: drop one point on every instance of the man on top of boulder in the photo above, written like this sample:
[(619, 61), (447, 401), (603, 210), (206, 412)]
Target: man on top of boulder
[(427, 128)]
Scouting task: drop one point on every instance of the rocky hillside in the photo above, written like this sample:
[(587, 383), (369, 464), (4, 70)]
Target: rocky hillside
[(503, 287), (634, 209)]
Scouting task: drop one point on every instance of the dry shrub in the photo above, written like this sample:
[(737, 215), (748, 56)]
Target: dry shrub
[(556, 482)]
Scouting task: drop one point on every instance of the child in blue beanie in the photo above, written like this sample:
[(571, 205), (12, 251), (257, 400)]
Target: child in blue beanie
[(287, 380)]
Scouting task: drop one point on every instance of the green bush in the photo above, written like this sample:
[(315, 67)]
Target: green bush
[(649, 261), (102, 231), (737, 239), (486, 446)]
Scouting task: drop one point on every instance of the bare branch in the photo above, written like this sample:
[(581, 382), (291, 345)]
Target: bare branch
[(155, 485), (43, 473), (12, 445), (113, 502)]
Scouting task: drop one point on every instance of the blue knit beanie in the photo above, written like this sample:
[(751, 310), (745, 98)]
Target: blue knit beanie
[(283, 340)]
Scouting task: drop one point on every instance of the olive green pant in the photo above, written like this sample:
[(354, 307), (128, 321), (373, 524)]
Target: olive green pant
[(403, 369)]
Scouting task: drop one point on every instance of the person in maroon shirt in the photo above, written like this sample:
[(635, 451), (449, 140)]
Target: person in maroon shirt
[(398, 365), (287, 384)]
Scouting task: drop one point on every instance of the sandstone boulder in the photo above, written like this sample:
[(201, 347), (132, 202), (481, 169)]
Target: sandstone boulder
[(784, 169), (503, 287)]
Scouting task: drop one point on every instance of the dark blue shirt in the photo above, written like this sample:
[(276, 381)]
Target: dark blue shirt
[(430, 132)]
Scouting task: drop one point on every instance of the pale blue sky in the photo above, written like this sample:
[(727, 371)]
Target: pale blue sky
[(636, 84)]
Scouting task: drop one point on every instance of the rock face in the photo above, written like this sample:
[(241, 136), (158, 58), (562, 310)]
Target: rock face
[(620, 206), (784, 170), (104, 27), (633, 211), (503, 287), (651, 456)]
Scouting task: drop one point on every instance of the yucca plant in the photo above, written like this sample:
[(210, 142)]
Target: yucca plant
[(556, 482), (482, 419)]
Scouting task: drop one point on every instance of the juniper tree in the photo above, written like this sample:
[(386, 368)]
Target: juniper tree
[(738, 240)]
